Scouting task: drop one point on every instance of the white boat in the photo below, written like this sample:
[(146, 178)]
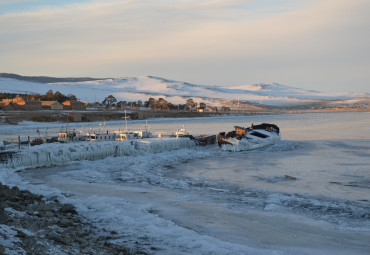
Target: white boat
[(144, 131), (70, 136), (127, 135), (182, 132), (107, 136), (250, 138)]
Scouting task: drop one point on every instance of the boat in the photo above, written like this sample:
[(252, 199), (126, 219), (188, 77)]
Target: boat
[(67, 136), (144, 131), (105, 136), (182, 132), (204, 140), (253, 137), (127, 135)]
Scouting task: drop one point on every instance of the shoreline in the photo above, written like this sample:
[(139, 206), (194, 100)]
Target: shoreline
[(32, 224), (14, 117)]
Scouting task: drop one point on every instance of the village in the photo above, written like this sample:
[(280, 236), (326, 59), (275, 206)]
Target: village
[(52, 107), (57, 101)]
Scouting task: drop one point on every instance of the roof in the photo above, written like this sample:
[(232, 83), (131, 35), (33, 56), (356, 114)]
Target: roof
[(47, 103), (72, 102)]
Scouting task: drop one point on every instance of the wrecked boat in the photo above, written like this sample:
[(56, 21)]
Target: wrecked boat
[(253, 137), (202, 140)]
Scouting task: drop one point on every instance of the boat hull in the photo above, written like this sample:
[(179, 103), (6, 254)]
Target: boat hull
[(243, 139)]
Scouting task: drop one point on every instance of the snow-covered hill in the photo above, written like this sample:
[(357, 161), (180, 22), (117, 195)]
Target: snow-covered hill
[(141, 88)]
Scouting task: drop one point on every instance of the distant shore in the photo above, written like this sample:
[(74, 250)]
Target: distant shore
[(14, 117)]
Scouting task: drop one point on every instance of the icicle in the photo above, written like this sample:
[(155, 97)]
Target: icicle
[(60, 154)]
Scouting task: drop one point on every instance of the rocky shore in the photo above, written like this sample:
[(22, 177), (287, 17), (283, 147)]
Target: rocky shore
[(31, 225)]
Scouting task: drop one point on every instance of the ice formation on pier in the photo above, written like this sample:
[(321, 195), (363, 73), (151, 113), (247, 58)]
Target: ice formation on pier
[(60, 154)]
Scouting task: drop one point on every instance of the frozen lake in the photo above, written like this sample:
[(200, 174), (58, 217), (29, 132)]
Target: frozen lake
[(308, 194)]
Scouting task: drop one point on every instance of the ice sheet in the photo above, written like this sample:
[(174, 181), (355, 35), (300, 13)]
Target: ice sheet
[(308, 194)]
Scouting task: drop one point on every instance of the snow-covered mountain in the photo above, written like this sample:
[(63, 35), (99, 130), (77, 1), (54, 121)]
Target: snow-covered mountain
[(141, 88)]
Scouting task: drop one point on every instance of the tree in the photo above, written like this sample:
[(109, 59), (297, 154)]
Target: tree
[(121, 104), (171, 106), (49, 96), (161, 104), (37, 96), (190, 104), (59, 97), (71, 97), (151, 102), (109, 101), (202, 105)]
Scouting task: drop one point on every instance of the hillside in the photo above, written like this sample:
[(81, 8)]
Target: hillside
[(141, 88)]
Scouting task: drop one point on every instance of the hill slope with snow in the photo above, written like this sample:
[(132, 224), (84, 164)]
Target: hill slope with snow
[(141, 88)]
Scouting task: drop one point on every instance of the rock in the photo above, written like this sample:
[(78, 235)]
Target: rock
[(16, 206), (65, 223), (32, 225), (3, 216), (68, 208), (52, 224), (55, 237), (20, 234), (14, 198)]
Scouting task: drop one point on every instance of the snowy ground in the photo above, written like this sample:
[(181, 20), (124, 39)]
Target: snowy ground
[(308, 194)]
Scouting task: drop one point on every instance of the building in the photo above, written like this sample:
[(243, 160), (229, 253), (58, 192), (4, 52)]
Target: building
[(225, 109), (74, 106), (9, 106), (51, 105), (210, 109), (20, 104), (28, 105)]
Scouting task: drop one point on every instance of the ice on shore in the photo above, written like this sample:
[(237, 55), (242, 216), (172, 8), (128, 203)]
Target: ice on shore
[(60, 154)]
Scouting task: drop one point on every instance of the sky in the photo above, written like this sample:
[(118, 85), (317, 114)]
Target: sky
[(318, 45)]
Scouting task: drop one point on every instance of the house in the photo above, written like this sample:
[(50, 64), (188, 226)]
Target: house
[(74, 105), (207, 109), (9, 106), (225, 109), (51, 105), (210, 109), (28, 105), (25, 105)]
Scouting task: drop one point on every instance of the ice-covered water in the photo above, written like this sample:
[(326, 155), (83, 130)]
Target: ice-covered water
[(308, 194)]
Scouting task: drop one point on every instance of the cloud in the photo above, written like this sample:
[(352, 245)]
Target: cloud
[(95, 36)]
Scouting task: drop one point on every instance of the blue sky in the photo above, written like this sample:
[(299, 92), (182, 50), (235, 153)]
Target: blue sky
[(311, 44), (16, 6)]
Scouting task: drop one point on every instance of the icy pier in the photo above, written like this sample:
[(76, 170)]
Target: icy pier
[(60, 154)]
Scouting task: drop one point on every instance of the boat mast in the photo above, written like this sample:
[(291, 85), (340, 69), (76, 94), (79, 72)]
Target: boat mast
[(125, 120)]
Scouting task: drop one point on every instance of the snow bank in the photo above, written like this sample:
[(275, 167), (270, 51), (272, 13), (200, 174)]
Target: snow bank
[(60, 154)]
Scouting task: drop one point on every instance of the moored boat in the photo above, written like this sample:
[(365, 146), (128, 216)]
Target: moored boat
[(70, 136), (105, 136), (253, 137), (182, 132)]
